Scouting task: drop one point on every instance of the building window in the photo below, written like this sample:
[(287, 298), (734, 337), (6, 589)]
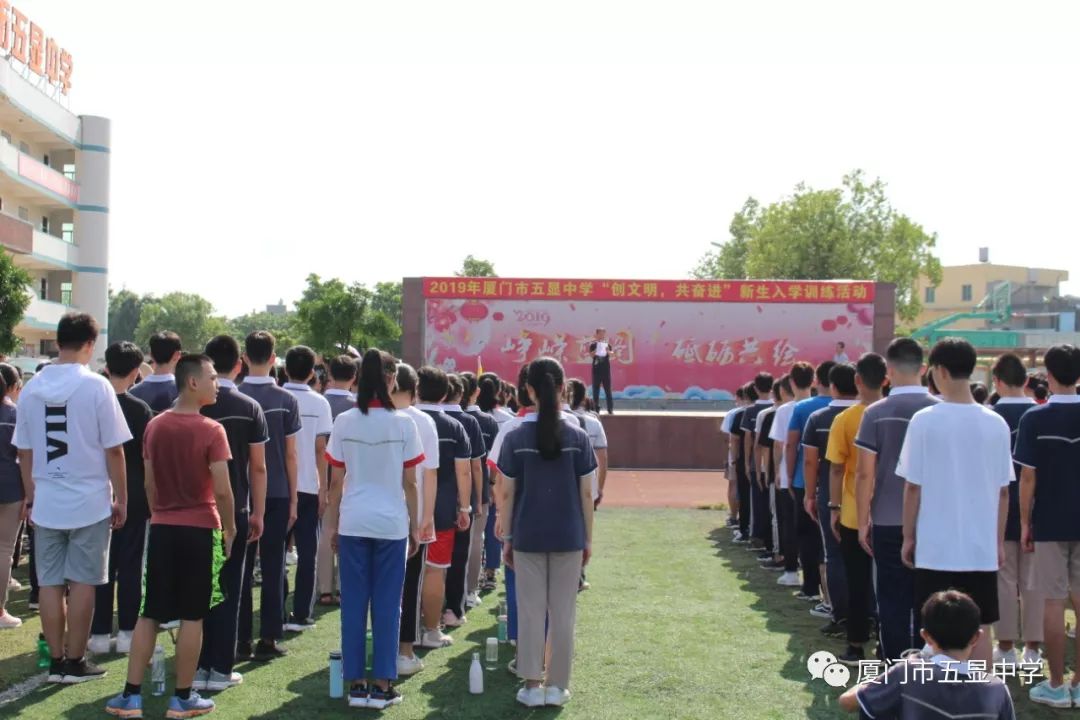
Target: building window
[(45, 159), (965, 293), (44, 224), (24, 148), (44, 289), (69, 171), (930, 292), (67, 230), (65, 293), (24, 214)]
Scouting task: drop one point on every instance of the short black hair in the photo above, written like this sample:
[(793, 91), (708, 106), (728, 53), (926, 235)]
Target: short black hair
[(163, 345), (905, 354), (1041, 392), (763, 383), (979, 392), (457, 388), (785, 385), (841, 345), (956, 356), (776, 391), (432, 384), (189, 366), (123, 358), (842, 379), (871, 369), (75, 330), (823, 371), (224, 352), (751, 392), (802, 375), (299, 363), (407, 379), (740, 392), (1063, 364), (343, 368), (1009, 369), (259, 347), (952, 619)]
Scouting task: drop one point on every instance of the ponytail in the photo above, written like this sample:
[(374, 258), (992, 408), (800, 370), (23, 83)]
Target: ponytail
[(469, 388), (546, 378), (375, 369), (490, 388)]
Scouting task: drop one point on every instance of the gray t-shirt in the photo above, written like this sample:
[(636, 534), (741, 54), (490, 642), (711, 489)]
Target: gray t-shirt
[(926, 690), (882, 432), (282, 414)]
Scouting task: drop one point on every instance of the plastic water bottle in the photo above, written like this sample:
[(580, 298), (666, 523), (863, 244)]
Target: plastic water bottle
[(476, 676), (157, 672), (503, 629), (44, 656), (491, 660), (337, 681)]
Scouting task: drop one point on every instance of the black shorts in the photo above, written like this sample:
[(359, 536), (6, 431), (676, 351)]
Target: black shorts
[(183, 572), (981, 586)]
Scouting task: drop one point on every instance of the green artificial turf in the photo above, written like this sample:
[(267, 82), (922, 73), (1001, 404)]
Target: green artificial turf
[(679, 623)]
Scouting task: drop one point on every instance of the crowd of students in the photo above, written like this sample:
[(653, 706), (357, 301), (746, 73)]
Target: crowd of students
[(161, 489), (911, 498)]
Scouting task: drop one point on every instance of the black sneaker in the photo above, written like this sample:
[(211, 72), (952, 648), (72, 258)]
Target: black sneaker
[(382, 699), (76, 672), (834, 629), (853, 656), (765, 555), (243, 652), (56, 671), (265, 652)]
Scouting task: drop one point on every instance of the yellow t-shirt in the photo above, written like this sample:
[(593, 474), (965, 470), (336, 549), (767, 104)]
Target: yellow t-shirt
[(841, 450)]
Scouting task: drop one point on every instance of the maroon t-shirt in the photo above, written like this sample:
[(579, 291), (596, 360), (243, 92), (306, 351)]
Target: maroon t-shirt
[(180, 448)]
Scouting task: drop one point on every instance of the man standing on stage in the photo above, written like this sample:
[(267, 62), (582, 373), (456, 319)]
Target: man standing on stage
[(602, 352)]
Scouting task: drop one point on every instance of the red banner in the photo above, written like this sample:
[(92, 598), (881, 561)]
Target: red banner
[(730, 291)]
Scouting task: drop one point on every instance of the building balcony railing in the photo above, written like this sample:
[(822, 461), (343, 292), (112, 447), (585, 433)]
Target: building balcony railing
[(43, 314), (38, 174)]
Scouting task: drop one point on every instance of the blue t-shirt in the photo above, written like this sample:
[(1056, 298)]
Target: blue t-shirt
[(282, 414), (476, 443), (1012, 409), (802, 412), (547, 513), (453, 446), (1048, 440), (11, 487), (158, 394), (737, 437), (489, 428)]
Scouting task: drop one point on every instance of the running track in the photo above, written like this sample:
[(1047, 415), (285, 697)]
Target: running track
[(664, 488)]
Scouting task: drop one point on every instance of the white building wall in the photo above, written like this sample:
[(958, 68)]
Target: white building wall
[(91, 291)]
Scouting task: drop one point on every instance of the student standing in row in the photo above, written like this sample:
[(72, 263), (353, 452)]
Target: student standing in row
[(546, 463), (956, 496), (1020, 608), (456, 576), (489, 428), (247, 434), (766, 465), (159, 390), (341, 398), (404, 398), (730, 427), (742, 481), (11, 493), (282, 414), (373, 451), (760, 522), (123, 361), (489, 401), (1048, 451), (315, 426), (187, 481), (785, 495), (70, 432), (880, 494), (841, 453)]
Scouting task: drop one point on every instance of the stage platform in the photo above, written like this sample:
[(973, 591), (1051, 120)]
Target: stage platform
[(674, 440)]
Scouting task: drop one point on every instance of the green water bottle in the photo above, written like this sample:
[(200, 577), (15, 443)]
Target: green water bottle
[(44, 657)]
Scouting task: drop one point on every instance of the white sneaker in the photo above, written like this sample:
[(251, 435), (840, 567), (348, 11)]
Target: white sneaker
[(555, 697), (171, 625), (9, 621), (1031, 657), (532, 697), (123, 642), (216, 682), (789, 579), (434, 639), (14, 584), (99, 644), (291, 558), (299, 627), (1070, 632), (473, 600), (1001, 657), (450, 620), (408, 665), (201, 678)]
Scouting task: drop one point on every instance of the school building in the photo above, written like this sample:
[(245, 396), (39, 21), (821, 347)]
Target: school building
[(54, 185)]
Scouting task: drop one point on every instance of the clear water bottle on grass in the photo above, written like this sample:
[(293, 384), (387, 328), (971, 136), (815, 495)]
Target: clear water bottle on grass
[(157, 672)]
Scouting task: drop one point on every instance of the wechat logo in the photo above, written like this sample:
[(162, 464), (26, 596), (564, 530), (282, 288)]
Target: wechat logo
[(822, 665)]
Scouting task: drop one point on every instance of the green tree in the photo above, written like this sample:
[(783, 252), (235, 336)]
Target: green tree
[(125, 309), (847, 232), (387, 300), (475, 267), (187, 314), (15, 296), (332, 315), (282, 327)]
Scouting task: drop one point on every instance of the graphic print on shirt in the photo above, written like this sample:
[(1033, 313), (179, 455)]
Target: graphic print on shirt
[(56, 432)]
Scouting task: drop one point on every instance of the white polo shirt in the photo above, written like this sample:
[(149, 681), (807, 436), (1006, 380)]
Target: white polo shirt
[(778, 433), (373, 449), (429, 443), (315, 421)]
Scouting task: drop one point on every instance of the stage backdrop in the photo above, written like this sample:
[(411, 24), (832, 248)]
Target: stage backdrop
[(673, 339)]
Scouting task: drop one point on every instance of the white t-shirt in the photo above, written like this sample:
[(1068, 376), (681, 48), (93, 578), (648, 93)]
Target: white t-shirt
[(778, 433), (68, 416), (429, 443), (595, 429), (373, 449), (602, 348), (960, 455), (316, 421), (502, 415)]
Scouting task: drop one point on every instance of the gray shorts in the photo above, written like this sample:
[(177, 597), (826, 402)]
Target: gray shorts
[(80, 555)]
